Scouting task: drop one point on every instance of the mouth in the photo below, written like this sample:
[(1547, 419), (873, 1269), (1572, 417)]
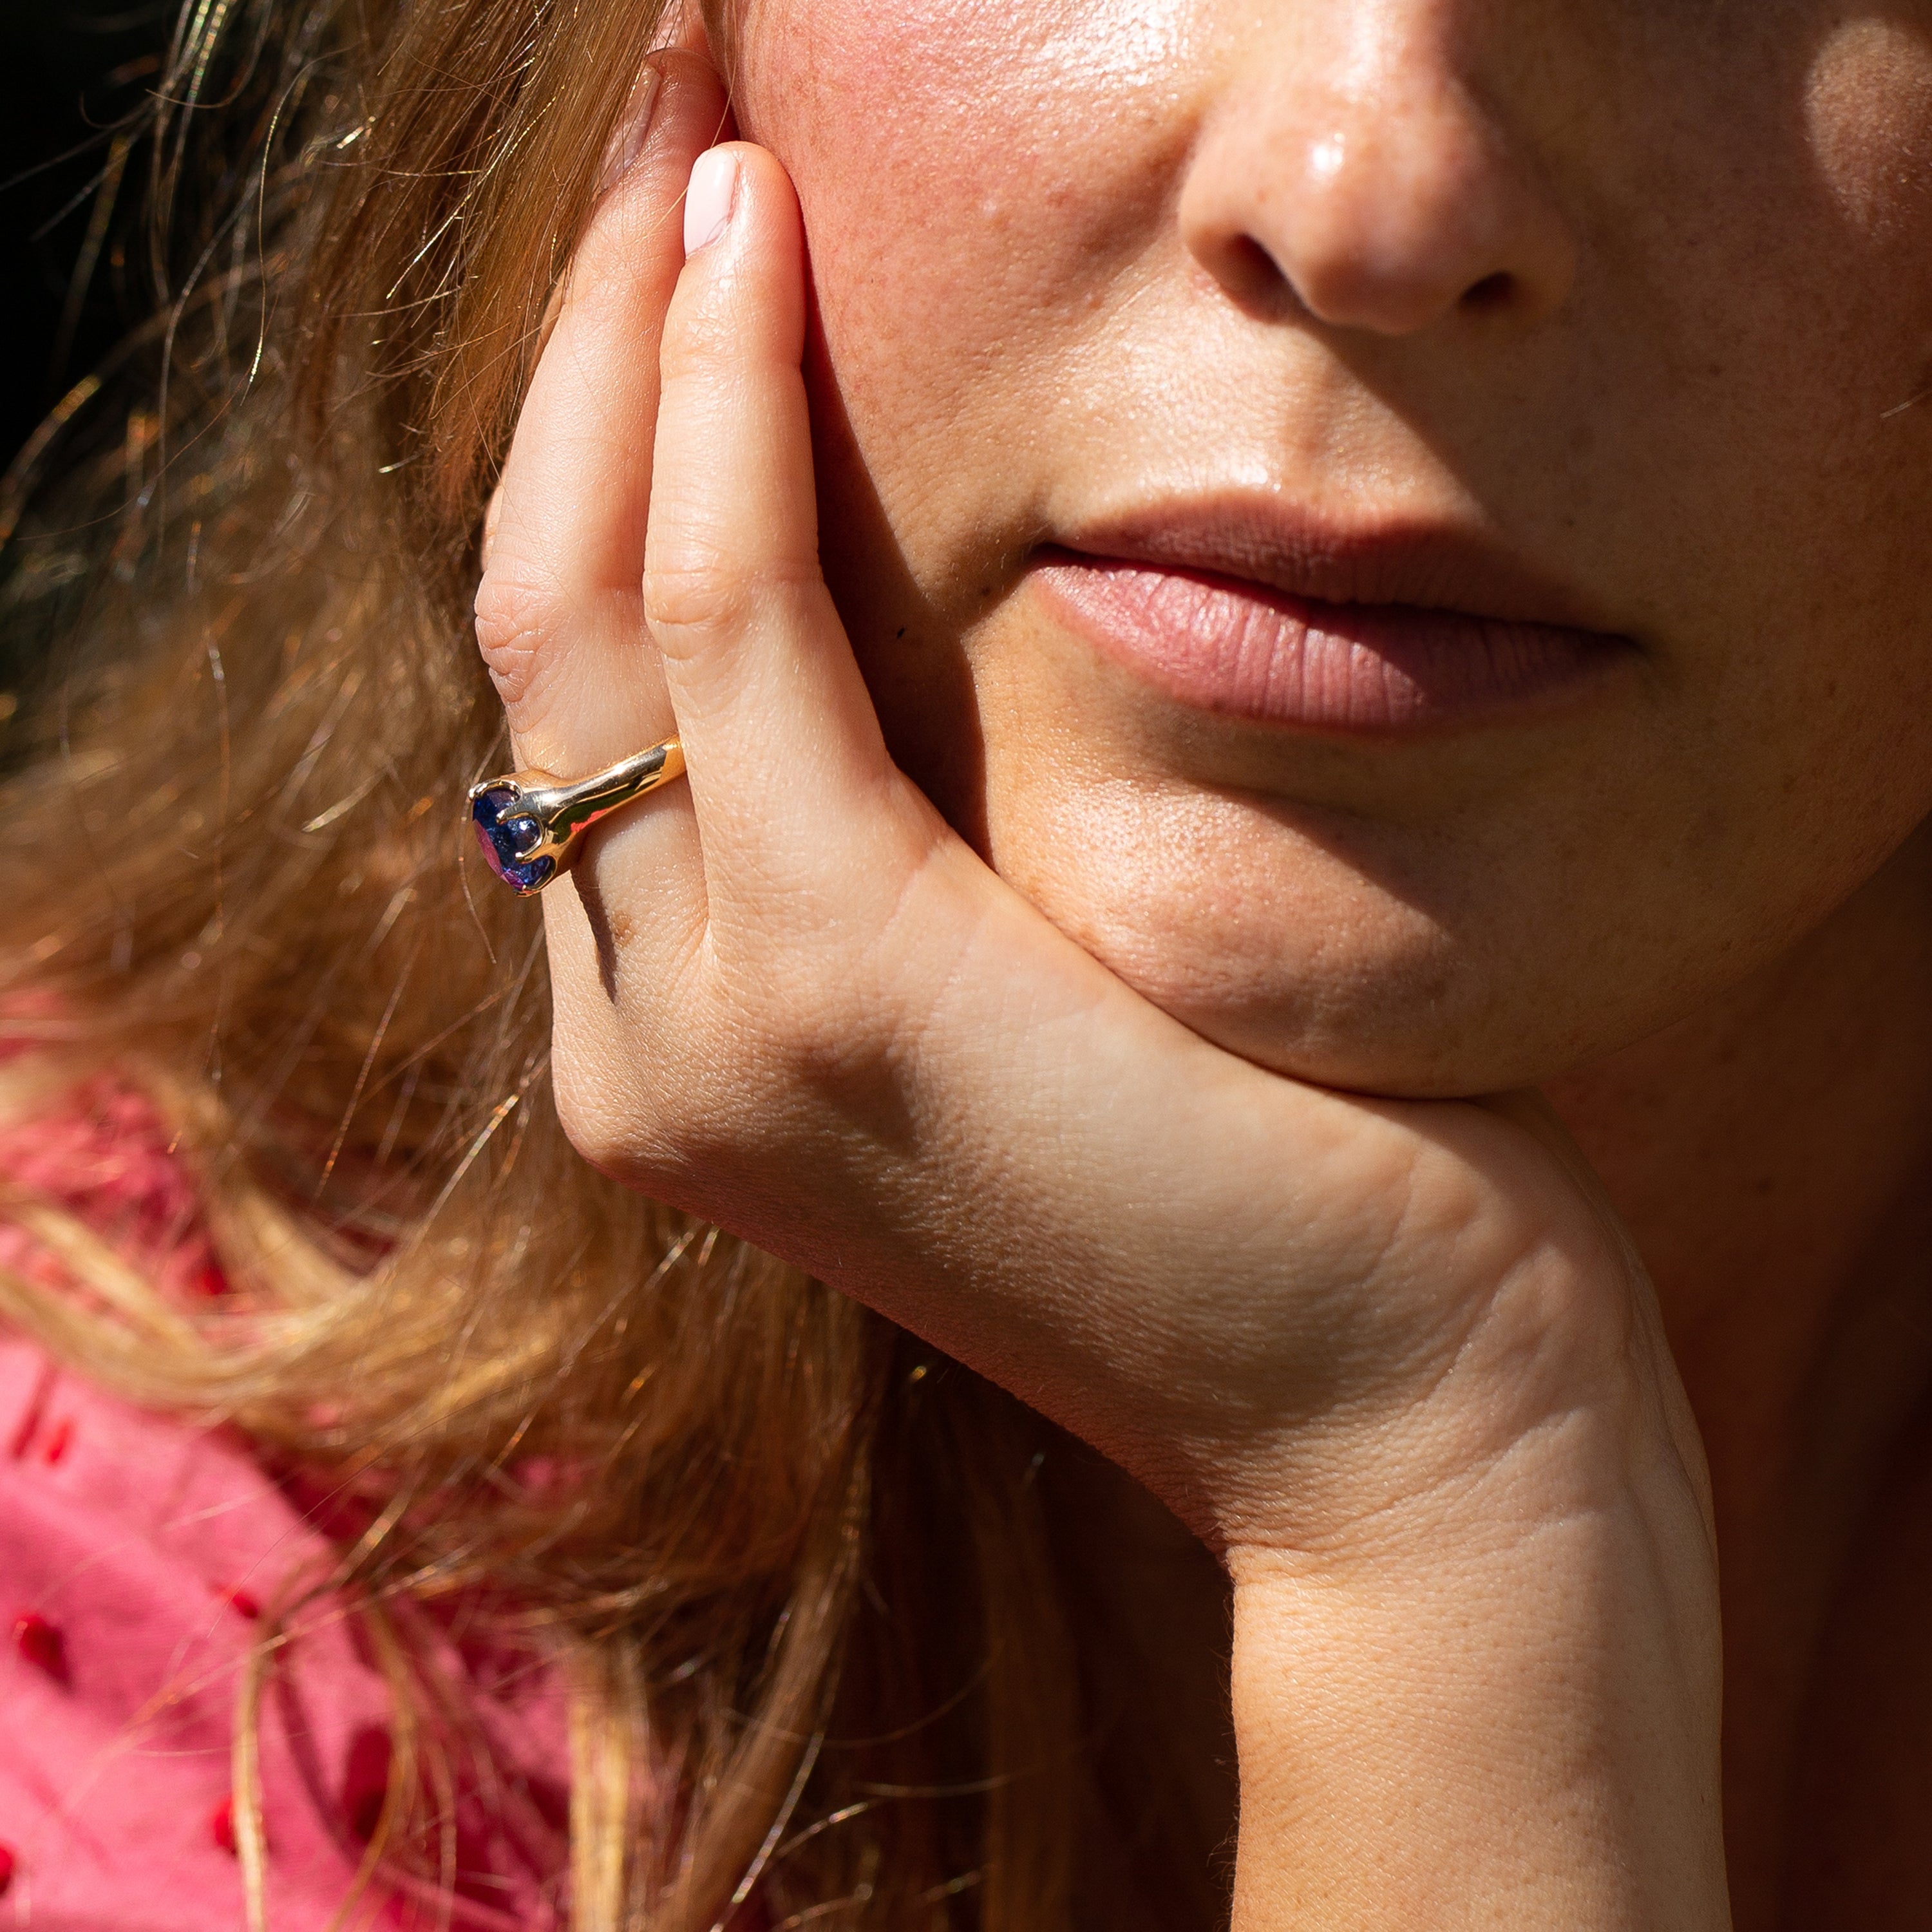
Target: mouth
[(1254, 610)]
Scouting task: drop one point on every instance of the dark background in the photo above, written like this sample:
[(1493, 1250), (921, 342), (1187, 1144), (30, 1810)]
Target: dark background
[(68, 68)]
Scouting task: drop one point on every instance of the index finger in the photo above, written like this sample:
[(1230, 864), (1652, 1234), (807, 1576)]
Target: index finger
[(559, 613)]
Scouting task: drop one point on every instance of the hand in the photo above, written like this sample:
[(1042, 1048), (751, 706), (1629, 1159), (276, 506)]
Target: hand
[(1363, 1347)]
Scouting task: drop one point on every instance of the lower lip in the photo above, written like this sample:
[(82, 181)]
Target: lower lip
[(1237, 648)]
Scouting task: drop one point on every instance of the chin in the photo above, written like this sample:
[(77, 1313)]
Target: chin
[(1394, 1052), (1317, 973)]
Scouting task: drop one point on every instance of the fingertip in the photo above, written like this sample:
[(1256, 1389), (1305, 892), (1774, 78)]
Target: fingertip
[(736, 187), (734, 337), (744, 254), (752, 648), (677, 109), (633, 128), (709, 199)]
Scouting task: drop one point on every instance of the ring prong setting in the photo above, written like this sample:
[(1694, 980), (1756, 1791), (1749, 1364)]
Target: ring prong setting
[(530, 825)]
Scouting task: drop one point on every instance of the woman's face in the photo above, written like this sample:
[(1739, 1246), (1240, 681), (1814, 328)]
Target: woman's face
[(1398, 524)]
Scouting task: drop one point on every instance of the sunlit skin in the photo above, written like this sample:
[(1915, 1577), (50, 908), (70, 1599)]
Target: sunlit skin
[(1698, 409), (1072, 256), (1639, 296)]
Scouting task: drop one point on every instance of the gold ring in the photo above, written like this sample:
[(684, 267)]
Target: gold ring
[(531, 825)]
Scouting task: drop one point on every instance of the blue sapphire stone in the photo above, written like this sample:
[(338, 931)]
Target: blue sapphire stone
[(505, 847)]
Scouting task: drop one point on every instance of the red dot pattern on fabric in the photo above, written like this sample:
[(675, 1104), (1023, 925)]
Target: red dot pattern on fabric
[(240, 1602), (20, 1443), (42, 1645), (126, 1541), (365, 1784)]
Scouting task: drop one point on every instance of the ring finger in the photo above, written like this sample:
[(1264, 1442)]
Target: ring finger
[(559, 616)]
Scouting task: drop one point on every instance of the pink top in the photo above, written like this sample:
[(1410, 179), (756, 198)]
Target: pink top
[(135, 1555)]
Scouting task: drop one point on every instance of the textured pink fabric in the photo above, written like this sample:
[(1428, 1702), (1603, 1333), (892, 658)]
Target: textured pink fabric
[(135, 1555)]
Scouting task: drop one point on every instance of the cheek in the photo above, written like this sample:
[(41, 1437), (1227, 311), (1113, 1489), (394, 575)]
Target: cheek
[(1775, 407), (986, 190), (1844, 498), (1867, 121), (1868, 115), (972, 176), (953, 112), (904, 135)]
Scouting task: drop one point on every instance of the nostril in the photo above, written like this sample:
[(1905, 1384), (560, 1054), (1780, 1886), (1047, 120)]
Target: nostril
[(1492, 292), (1249, 273)]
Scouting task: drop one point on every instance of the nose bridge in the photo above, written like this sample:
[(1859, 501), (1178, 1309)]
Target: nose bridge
[(1349, 63), (1355, 156)]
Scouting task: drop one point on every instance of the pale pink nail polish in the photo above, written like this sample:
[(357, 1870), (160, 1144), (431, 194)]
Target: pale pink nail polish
[(707, 201)]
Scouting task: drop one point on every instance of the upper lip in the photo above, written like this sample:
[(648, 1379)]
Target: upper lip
[(1305, 553)]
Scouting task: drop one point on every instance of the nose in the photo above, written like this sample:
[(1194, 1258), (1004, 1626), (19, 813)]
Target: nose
[(1350, 162)]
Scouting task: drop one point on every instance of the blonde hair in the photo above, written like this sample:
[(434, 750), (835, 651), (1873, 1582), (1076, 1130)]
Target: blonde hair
[(799, 1569)]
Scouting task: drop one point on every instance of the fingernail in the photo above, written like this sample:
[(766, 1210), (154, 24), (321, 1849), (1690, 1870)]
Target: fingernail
[(633, 131), (707, 202)]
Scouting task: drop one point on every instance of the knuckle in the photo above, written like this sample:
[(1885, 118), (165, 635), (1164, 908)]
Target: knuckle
[(810, 1024), (701, 591), (519, 613), (609, 1135), (699, 594)]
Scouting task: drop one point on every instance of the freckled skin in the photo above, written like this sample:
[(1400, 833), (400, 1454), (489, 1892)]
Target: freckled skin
[(1718, 222)]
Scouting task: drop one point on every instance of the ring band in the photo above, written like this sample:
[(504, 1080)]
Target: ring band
[(531, 825)]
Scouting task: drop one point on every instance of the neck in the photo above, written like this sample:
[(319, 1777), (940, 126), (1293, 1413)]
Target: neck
[(1770, 1155)]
